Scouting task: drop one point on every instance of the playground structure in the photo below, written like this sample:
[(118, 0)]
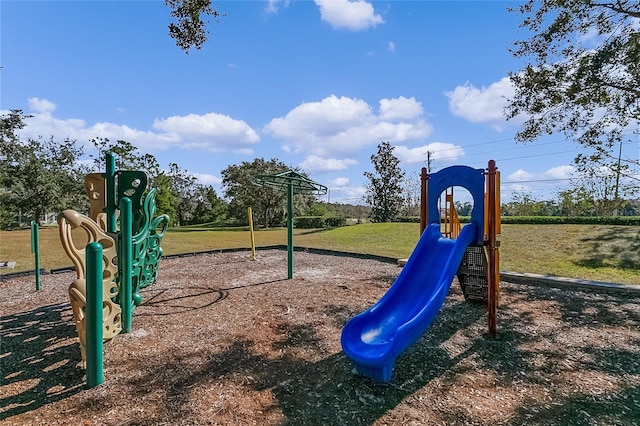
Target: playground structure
[(239, 359), (130, 255), (293, 183), (69, 220), (374, 338), (473, 271)]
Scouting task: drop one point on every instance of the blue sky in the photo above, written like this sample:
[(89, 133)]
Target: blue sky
[(315, 84)]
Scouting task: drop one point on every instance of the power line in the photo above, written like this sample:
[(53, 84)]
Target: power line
[(539, 180), (530, 156), (523, 146)]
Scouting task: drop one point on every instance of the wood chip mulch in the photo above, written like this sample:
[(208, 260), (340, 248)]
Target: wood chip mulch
[(223, 340)]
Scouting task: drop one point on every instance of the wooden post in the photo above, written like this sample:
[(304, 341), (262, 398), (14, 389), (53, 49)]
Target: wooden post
[(492, 246)]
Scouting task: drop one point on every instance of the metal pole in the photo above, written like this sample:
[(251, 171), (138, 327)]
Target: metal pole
[(290, 230), (125, 262), (111, 191), (35, 249), (94, 345)]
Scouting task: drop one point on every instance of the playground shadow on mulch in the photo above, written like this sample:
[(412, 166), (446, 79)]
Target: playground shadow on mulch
[(516, 346), (255, 349), (326, 392), (38, 351)]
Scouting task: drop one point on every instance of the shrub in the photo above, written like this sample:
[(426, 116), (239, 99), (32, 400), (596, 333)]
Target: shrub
[(577, 220), (559, 220), (315, 222)]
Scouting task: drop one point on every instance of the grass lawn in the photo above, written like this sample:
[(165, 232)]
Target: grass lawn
[(602, 253)]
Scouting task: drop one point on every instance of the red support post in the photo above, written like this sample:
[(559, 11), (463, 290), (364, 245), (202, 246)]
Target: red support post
[(492, 246)]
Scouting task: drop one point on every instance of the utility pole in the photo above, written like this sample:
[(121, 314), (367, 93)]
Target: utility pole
[(617, 193), (429, 162)]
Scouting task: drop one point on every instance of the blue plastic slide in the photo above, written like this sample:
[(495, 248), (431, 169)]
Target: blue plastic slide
[(375, 338)]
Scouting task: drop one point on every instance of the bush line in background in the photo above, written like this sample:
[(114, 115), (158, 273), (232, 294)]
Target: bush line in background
[(552, 220), (315, 222)]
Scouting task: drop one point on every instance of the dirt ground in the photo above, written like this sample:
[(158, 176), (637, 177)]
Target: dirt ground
[(223, 340)]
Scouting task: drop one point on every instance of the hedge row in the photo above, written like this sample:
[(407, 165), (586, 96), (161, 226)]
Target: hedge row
[(315, 222), (577, 220), (334, 221), (552, 220)]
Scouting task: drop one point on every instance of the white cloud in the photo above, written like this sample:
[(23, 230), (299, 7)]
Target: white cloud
[(560, 172), (400, 108), (38, 105), (338, 182), (210, 132), (206, 179), (484, 105), (539, 184), (335, 127), (391, 46), (348, 194), (353, 15), (440, 151), (317, 164), (274, 5), (244, 151), (521, 175), (45, 124), (507, 191)]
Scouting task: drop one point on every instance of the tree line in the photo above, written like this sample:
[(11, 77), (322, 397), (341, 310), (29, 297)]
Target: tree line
[(581, 79), (40, 176), (391, 196)]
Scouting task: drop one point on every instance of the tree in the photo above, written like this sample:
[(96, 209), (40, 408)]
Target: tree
[(190, 28), (184, 190), (209, 207), (597, 190), (166, 200), (411, 195), (39, 175), (522, 204), (127, 157), (582, 79), (463, 209), (384, 191), (267, 204)]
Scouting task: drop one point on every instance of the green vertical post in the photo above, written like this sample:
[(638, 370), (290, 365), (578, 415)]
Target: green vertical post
[(111, 191), (35, 249), (293, 183), (94, 345), (290, 230), (125, 262)]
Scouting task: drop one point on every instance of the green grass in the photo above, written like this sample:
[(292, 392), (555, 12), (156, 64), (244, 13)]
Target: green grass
[(601, 252)]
